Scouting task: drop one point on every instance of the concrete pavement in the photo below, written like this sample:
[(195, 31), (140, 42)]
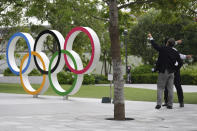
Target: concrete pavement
[(20, 112), (16, 79)]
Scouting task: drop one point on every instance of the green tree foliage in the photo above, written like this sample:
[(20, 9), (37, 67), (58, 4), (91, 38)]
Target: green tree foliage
[(11, 12), (138, 44), (178, 27), (63, 15)]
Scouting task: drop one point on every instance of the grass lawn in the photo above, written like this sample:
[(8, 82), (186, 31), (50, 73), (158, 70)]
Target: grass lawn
[(91, 91)]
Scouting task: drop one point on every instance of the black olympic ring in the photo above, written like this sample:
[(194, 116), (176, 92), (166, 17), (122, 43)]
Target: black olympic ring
[(59, 50)]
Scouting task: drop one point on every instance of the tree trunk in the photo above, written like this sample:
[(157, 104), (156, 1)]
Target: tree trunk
[(105, 64), (119, 106), (102, 68)]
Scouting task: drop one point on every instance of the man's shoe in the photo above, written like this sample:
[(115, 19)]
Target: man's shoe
[(165, 104), (157, 106), (169, 107), (181, 104)]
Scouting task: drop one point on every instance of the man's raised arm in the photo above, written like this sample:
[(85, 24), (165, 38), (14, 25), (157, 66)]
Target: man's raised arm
[(154, 45)]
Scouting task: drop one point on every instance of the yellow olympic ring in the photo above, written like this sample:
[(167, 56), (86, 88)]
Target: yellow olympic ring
[(32, 91)]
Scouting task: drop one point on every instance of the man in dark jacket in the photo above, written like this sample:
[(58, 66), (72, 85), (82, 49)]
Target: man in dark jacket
[(168, 62), (177, 79)]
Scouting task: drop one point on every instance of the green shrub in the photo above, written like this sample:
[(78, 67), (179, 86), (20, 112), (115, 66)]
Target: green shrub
[(65, 77), (68, 78), (188, 79), (34, 72), (141, 74), (151, 78), (188, 71), (101, 79), (88, 79), (142, 69), (2, 57), (148, 78), (8, 72)]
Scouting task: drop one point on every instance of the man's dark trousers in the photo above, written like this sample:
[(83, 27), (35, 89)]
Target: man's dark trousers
[(177, 83)]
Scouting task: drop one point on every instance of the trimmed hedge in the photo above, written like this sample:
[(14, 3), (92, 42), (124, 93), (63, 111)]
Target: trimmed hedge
[(8, 72), (34, 72), (142, 69), (143, 74), (148, 78), (101, 79), (189, 79), (151, 78), (88, 79), (65, 77), (68, 77)]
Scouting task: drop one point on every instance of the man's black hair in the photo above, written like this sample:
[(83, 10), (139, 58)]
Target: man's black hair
[(171, 42)]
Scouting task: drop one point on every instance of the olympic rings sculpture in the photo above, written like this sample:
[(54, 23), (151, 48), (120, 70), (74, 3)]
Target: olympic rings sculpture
[(64, 55)]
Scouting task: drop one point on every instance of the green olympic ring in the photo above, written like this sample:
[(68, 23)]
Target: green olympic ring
[(62, 93)]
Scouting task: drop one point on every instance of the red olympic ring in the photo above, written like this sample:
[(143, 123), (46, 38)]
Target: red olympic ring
[(68, 46)]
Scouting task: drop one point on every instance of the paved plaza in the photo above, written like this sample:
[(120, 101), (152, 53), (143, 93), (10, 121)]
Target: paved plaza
[(20, 112)]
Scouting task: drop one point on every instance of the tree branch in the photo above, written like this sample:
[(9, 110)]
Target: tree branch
[(133, 3), (50, 49), (99, 18), (3, 9), (193, 11), (106, 1)]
